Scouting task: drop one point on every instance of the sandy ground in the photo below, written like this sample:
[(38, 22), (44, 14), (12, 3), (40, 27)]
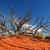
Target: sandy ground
[(22, 42)]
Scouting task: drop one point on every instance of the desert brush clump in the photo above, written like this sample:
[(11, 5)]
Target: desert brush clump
[(39, 35), (17, 33)]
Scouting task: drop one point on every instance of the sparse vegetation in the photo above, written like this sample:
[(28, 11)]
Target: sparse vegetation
[(16, 23), (39, 35)]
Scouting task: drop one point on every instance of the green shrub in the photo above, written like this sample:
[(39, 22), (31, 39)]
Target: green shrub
[(39, 35)]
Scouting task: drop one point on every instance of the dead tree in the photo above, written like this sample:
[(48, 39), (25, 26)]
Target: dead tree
[(18, 21), (45, 26), (3, 26)]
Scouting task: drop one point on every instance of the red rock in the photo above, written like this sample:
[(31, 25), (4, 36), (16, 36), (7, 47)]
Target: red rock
[(22, 42)]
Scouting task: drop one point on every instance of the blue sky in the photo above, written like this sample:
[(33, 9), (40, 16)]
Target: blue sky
[(39, 7)]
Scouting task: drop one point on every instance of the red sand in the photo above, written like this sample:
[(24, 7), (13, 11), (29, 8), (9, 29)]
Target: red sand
[(22, 42)]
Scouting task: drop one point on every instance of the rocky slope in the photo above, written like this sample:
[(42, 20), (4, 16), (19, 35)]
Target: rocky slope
[(22, 42)]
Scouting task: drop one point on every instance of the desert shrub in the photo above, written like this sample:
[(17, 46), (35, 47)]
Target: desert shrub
[(17, 33), (39, 35)]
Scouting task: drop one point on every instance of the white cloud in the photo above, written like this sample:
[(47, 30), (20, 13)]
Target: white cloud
[(27, 25)]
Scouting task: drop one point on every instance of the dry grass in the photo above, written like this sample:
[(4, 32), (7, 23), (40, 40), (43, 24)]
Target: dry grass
[(39, 35)]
